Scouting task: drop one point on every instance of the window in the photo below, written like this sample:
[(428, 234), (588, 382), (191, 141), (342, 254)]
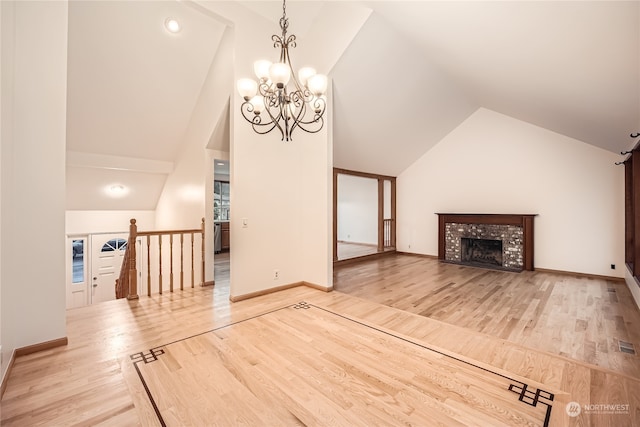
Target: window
[(113, 245), (221, 201), (77, 247)]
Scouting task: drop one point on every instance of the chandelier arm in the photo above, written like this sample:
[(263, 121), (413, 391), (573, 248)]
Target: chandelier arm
[(261, 131), (256, 121), (276, 104), (305, 101), (318, 108), (320, 122)]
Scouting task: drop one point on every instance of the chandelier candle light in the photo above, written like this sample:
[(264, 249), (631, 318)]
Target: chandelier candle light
[(280, 100)]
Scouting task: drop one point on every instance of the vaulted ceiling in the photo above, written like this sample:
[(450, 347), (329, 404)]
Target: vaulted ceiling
[(413, 72)]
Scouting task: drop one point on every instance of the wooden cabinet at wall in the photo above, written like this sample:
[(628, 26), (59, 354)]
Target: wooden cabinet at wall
[(226, 241)]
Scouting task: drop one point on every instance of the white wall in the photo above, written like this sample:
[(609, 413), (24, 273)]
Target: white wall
[(34, 60), (88, 222), (357, 209), (496, 164), (182, 203), (283, 189), (187, 196), (6, 111)]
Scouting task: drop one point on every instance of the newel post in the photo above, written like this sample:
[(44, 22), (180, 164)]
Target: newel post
[(133, 273)]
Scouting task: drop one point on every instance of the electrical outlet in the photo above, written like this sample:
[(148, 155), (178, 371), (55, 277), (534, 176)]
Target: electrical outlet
[(613, 266), (276, 274)]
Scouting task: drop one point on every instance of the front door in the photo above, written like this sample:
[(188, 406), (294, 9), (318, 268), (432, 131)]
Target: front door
[(107, 255)]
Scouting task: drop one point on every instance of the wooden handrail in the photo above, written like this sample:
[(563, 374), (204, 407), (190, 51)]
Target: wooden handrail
[(127, 282)]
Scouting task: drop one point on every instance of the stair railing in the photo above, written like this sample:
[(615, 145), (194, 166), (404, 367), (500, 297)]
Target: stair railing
[(127, 283)]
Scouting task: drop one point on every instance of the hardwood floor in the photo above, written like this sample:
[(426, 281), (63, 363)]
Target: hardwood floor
[(347, 250), (194, 358), (577, 317)]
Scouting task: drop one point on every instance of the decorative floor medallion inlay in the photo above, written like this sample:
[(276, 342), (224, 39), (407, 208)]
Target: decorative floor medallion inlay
[(149, 357)]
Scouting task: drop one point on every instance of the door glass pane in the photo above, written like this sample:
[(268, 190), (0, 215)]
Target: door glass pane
[(114, 244), (221, 201), (77, 260)]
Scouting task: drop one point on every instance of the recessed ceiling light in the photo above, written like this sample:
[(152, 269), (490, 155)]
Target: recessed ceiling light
[(117, 190), (172, 25)]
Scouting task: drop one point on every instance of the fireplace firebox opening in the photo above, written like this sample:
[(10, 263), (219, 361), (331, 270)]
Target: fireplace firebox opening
[(481, 251)]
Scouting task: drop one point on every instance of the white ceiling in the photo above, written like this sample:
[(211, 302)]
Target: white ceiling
[(569, 66), (132, 85), (412, 74)]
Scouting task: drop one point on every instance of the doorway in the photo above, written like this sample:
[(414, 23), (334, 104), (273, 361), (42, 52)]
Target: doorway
[(107, 253), (222, 225), (94, 263), (364, 214)]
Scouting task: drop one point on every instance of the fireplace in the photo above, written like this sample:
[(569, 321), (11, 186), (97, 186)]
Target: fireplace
[(502, 241), (481, 252)]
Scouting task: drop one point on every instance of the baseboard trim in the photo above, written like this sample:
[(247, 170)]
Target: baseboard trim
[(372, 245), (263, 292), (318, 287), (363, 258), (585, 275), (59, 342), (541, 270), (417, 255), (278, 289), (30, 349), (5, 377)]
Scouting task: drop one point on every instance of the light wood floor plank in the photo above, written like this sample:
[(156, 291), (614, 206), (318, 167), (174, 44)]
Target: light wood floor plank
[(293, 375), (577, 317)]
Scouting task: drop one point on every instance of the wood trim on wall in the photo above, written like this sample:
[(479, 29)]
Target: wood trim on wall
[(381, 215), (629, 232), (318, 287), (417, 255), (30, 349), (362, 174), (393, 212), (368, 257), (59, 342), (635, 212), (5, 377), (381, 179), (278, 289), (335, 215), (576, 274)]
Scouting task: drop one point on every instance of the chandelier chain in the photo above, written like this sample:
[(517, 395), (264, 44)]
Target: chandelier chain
[(284, 21)]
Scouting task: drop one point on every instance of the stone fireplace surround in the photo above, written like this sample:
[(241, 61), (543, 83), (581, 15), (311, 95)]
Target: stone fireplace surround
[(514, 230)]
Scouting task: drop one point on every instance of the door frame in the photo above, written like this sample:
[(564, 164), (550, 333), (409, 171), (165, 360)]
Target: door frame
[(381, 179)]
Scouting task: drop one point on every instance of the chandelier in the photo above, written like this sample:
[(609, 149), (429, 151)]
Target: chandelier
[(279, 99)]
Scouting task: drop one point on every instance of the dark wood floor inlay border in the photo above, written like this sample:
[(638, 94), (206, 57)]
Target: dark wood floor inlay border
[(526, 394)]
